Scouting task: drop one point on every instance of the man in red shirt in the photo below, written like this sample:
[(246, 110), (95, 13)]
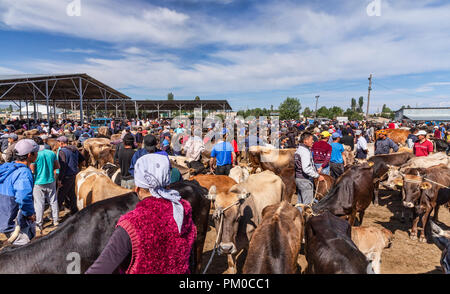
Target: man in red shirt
[(391, 125), (322, 153), (422, 147), (437, 132)]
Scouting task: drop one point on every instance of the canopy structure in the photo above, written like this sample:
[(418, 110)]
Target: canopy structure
[(50, 89), (424, 114), (80, 92)]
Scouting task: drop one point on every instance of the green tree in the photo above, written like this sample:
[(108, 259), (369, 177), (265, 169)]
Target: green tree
[(353, 105), (335, 112), (360, 104), (290, 108), (307, 112), (10, 108), (197, 98), (323, 112), (170, 96)]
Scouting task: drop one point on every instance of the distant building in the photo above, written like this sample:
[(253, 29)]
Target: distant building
[(423, 114)]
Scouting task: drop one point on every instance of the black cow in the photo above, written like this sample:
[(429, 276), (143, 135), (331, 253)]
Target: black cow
[(88, 231), (352, 193), (113, 172), (329, 247), (442, 241), (85, 233), (440, 145), (197, 197)]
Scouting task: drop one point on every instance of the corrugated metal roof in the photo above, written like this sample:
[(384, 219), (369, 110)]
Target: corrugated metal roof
[(427, 114)]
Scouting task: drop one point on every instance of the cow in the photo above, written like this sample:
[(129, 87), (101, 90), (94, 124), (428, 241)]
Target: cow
[(435, 191), (439, 144), (98, 151), (275, 244), (352, 193), (93, 185), (239, 174), (349, 156), (322, 188), (329, 248), (417, 191), (431, 160), (113, 172), (394, 159), (399, 136), (87, 232), (442, 240), (279, 161), (83, 235), (197, 197), (371, 241), (221, 183), (238, 211)]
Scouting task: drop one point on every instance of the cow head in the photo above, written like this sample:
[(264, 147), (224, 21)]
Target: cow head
[(229, 209), (411, 190)]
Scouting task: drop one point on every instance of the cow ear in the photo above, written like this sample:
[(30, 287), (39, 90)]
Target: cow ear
[(425, 186), (212, 193), (370, 163)]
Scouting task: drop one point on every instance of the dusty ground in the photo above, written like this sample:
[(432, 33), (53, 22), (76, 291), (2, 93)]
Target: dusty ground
[(405, 256)]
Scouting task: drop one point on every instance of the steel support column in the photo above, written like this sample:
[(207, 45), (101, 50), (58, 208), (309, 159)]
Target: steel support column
[(81, 99)]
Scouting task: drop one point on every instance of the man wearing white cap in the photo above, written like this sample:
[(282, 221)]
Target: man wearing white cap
[(423, 147), (17, 215)]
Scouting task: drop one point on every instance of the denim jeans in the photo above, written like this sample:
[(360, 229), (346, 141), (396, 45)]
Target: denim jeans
[(325, 171)]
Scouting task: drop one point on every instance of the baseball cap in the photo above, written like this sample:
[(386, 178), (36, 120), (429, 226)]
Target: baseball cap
[(325, 134), (423, 133), (13, 136), (383, 132), (26, 146), (336, 135), (224, 131), (62, 139)]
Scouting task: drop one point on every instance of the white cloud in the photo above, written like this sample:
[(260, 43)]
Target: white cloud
[(76, 50), (281, 46)]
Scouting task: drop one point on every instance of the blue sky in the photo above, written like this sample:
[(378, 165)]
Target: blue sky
[(253, 53)]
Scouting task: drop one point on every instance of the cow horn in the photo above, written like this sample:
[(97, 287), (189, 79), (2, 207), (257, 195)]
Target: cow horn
[(14, 235), (212, 193), (425, 186), (398, 182)]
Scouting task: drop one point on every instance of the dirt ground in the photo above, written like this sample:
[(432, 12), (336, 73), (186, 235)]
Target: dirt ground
[(405, 256)]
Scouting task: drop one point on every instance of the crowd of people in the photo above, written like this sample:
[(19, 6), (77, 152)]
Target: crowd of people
[(33, 174)]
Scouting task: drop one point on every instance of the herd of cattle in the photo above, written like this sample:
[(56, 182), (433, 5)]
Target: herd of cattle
[(253, 214)]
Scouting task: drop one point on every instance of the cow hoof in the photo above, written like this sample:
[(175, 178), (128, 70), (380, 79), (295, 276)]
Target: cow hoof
[(413, 237), (423, 240)]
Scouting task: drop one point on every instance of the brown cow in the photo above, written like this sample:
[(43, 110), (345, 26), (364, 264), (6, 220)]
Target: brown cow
[(244, 204), (221, 182), (371, 241), (99, 151), (93, 185), (413, 180), (322, 188), (435, 191), (399, 136), (279, 161), (275, 244)]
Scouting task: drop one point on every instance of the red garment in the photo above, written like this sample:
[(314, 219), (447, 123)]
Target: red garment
[(157, 246), (321, 153), (437, 134), (391, 126), (423, 149), (234, 144)]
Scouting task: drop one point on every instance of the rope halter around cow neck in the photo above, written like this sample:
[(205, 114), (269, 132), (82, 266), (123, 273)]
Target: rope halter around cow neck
[(416, 181), (220, 214)]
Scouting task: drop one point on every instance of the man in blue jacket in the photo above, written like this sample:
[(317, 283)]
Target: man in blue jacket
[(17, 215)]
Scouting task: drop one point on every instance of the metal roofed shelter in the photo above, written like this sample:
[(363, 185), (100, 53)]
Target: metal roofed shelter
[(153, 105), (81, 89), (423, 114)]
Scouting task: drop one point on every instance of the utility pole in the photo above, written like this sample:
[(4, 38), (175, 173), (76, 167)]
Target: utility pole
[(368, 96), (317, 100)]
